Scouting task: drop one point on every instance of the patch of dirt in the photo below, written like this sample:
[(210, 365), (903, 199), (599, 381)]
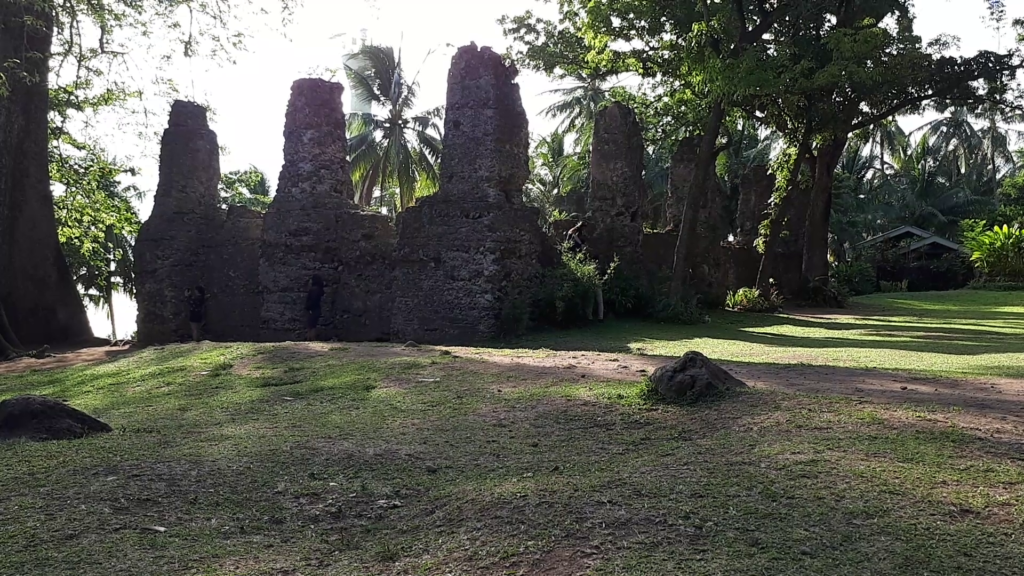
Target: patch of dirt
[(563, 562), (64, 359)]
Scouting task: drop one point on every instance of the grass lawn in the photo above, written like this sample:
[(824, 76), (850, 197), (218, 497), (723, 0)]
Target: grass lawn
[(304, 459), (959, 334)]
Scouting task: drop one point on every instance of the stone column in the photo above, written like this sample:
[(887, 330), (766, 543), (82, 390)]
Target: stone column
[(314, 227), (173, 244), (469, 257), (756, 188), (617, 188), (681, 170)]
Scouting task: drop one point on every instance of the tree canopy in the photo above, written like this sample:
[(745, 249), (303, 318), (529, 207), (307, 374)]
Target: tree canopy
[(813, 72)]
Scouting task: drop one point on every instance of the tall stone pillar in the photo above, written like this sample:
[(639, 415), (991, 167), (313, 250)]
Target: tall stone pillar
[(617, 188), (313, 226), (469, 257), (681, 170), (756, 188), (173, 244)]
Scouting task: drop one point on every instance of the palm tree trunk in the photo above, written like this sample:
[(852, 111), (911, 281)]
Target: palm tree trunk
[(695, 210), (881, 153), (992, 154), (110, 308)]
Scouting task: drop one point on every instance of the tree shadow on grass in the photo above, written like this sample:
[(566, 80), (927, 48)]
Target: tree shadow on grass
[(762, 329), (462, 471)]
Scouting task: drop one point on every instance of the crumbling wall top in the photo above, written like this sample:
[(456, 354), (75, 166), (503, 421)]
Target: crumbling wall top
[(487, 137), (187, 115)]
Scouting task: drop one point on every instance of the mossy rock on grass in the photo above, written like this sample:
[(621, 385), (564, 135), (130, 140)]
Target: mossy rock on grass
[(693, 378), (38, 418)]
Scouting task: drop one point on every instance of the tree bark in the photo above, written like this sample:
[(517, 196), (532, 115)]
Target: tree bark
[(36, 287), (819, 211), (9, 343), (110, 308), (782, 258), (693, 236)]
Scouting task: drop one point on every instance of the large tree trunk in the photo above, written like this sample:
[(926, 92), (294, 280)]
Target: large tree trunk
[(694, 237), (819, 211), (36, 287), (9, 344), (783, 250)]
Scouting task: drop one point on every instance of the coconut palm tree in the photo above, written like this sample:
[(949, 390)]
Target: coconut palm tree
[(966, 137), (885, 137), (555, 173), (578, 103), (398, 150), (924, 192)]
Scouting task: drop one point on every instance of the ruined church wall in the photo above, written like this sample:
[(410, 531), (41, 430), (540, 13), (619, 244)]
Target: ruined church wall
[(175, 241), (617, 189), (232, 276), (314, 227), (469, 258)]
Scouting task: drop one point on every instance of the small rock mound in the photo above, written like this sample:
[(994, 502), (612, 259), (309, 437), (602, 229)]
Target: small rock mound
[(38, 418), (693, 378)]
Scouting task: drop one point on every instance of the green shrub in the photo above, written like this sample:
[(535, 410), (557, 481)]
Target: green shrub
[(567, 293), (824, 294), (686, 309), (893, 287), (515, 318), (624, 293), (751, 300), (999, 253), (856, 277), (970, 229)]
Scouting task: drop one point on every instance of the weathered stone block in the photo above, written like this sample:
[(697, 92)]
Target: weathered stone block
[(681, 171), (172, 247), (756, 188), (314, 227), (469, 257), (38, 418), (461, 266), (233, 277), (617, 187)]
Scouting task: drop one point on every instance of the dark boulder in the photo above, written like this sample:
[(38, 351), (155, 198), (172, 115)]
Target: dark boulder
[(39, 418), (693, 378)]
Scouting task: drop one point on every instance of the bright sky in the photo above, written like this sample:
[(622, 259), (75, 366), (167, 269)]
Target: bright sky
[(249, 98)]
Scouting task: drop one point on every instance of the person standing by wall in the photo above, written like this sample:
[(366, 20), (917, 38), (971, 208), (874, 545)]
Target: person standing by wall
[(196, 299), (314, 297)]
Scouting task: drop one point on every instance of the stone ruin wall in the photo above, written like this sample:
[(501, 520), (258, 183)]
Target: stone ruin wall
[(737, 263), (756, 188), (469, 257), (256, 267), (232, 276), (173, 244), (681, 170), (465, 263), (313, 226), (617, 189)]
